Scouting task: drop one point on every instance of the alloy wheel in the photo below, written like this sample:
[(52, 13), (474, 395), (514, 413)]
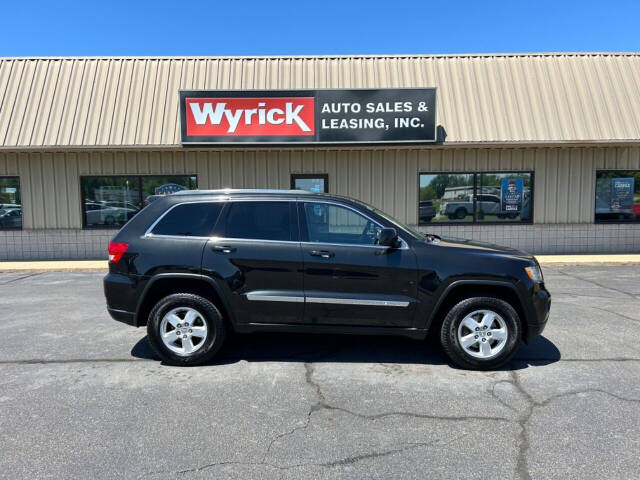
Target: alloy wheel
[(183, 330), (483, 334)]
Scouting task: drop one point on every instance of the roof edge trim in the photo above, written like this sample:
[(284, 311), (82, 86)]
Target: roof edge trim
[(325, 56)]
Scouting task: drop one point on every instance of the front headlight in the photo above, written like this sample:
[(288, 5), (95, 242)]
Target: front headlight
[(535, 274)]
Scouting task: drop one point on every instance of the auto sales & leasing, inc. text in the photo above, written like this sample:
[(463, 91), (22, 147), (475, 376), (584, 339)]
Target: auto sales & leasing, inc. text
[(308, 116)]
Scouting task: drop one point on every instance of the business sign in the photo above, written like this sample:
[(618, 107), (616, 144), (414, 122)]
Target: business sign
[(511, 194), (400, 115), (168, 188), (622, 194)]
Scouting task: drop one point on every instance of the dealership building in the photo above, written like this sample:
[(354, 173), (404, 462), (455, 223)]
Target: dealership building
[(535, 151)]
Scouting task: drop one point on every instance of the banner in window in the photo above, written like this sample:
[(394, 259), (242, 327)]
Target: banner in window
[(393, 115), (512, 190), (622, 194)]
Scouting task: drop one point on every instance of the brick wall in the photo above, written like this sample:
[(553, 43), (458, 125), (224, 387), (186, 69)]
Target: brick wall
[(54, 244)]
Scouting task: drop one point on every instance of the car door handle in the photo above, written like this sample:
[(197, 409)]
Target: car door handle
[(223, 248), (321, 253)]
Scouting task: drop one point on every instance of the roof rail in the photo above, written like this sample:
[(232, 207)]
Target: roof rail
[(230, 191)]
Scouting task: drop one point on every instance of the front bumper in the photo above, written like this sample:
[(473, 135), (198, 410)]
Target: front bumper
[(541, 306)]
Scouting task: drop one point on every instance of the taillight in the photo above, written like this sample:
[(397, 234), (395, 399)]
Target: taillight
[(116, 250)]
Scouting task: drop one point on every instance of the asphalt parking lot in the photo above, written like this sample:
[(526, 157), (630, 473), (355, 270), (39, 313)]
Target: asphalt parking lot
[(81, 396)]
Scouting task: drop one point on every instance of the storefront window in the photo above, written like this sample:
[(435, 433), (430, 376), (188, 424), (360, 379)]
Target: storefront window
[(617, 196), (10, 203), (317, 183), (446, 197), (477, 197), (503, 197), (110, 202)]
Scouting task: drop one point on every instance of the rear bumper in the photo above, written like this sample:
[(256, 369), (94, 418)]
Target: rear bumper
[(123, 316), (122, 294)]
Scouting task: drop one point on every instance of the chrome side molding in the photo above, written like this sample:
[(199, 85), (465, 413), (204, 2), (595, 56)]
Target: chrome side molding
[(357, 301), (274, 298), (333, 301)]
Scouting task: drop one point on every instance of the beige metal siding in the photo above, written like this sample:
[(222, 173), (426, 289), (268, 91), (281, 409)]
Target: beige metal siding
[(564, 177), (96, 102)]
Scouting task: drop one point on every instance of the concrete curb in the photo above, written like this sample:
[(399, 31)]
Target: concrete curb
[(102, 266), (54, 266), (588, 260)]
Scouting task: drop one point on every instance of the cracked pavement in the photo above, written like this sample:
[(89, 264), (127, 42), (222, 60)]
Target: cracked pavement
[(82, 395)]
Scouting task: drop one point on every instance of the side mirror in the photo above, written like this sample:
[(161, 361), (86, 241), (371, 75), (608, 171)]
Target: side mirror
[(388, 237)]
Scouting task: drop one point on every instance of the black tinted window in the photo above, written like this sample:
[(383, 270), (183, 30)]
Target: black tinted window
[(189, 219), (259, 220)]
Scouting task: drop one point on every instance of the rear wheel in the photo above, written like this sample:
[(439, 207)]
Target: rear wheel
[(185, 329), (481, 333)]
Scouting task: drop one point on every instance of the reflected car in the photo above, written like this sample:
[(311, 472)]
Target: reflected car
[(103, 214), (427, 210), (11, 218), (4, 207), (459, 209)]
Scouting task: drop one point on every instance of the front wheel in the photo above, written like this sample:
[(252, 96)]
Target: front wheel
[(481, 333), (185, 329)]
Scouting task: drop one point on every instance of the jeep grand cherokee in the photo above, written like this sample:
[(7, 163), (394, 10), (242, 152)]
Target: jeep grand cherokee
[(194, 265)]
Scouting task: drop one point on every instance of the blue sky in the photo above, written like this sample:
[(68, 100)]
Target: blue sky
[(327, 27)]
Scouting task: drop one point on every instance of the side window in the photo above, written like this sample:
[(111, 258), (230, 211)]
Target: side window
[(260, 221), (328, 223), (189, 220)]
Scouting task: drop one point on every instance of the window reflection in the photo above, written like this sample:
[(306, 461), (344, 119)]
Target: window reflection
[(316, 183), (111, 201), (10, 203), (478, 197), (446, 197), (504, 197), (617, 196)]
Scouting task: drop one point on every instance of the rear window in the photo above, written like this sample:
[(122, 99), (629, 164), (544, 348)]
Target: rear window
[(189, 220), (259, 220)]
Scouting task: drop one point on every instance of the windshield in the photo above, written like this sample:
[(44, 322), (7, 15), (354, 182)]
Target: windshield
[(414, 233)]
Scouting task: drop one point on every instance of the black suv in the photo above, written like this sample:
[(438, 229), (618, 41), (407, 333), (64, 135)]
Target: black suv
[(196, 264)]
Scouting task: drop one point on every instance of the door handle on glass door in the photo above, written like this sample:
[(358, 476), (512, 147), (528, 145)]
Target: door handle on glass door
[(223, 248), (321, 253)]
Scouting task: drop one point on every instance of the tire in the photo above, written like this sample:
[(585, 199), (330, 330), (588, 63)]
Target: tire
[(461, 213), (471, 310), (179, 306)]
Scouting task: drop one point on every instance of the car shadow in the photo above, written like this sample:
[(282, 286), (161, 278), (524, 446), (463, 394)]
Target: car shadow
[(287, 347)]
